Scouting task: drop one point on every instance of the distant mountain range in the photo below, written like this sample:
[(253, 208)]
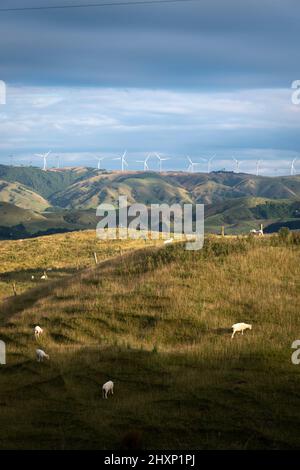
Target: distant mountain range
[(33, 201)]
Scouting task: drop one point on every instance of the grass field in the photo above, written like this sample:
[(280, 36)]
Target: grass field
[(60, 255), (157, 322)]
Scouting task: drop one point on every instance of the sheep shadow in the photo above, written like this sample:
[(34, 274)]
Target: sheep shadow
[(222, 331)]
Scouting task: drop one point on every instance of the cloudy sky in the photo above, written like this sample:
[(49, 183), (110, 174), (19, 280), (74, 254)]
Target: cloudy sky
[(195, 78)]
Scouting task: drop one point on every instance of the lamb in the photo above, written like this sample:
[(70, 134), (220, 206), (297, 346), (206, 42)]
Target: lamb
[(107, 388), (240, 327), (41, 355), (38, 331)]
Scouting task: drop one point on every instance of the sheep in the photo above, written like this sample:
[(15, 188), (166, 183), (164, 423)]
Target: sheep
[(32, 277), (259, 232), (44, 276), (240, 327), (170, 240), (38, 331), (107, 388), (41, 355)]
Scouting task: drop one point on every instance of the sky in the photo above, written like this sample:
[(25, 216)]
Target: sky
[(196, 78)]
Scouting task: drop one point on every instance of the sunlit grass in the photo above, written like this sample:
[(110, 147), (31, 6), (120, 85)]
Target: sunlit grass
[(157, 322)]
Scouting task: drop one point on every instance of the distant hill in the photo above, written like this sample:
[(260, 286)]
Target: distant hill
[(21, 196), (145, 188), (214, 187), (238, 201), (16, 222), (42, 182)]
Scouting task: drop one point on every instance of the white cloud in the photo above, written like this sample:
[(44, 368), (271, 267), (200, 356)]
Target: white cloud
[(78, 121)]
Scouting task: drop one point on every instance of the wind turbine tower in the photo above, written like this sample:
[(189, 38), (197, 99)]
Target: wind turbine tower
[(258, 163), (44, 156), (145, 162), (160, 161), (293, 169), (192, 165), (123, 160), (208, 160), (99, 159), (237, 164)]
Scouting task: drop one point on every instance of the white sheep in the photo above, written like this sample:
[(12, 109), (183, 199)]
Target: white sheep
[(259, 232), (107, 388), (170, 240), (240, 327), (41, 355), (38, 331), (44, 276)]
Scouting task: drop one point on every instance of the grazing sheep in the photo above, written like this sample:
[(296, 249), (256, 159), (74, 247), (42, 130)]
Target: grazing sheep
[(41, 355), (32, 277), (240, 327), (107, 388), (170, 240), (259, 232), (38, 331)]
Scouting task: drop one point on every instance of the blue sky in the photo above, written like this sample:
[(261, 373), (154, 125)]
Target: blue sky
[(194, 78)]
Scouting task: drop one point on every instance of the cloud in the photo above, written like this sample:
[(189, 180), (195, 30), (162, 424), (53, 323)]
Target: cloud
[(207, 43), (82, 121)]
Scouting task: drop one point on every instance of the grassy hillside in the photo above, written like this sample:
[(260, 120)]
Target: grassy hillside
[(19, 195), (214, 187), (145, 188), (157, 322), (239, 215), (237, 200), (60, 255), (42, 182)]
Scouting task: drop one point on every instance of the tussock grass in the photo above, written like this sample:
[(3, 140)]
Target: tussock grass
[(157, 322)]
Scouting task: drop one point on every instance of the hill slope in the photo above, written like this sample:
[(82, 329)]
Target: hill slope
[(238, 201), (153, 323), (21, 196), (144, 188)]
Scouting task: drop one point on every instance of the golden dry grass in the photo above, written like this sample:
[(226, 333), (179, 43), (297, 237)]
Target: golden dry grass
[(157, 322)]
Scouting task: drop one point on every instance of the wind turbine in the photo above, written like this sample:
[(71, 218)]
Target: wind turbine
[(123, 160), (44, 156), (99, 159), (160, 161), (191, 165), (293, 169), (237, 164), (258, 162), (208, 160), (146, 167)]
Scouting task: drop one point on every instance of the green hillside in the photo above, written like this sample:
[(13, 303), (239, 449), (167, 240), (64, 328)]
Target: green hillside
[(145, 188), (238, 201), (151, 322), (42, 182)]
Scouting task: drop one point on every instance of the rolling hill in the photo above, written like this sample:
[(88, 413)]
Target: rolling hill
[(238, 201), (151, 322), (21, 196)]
